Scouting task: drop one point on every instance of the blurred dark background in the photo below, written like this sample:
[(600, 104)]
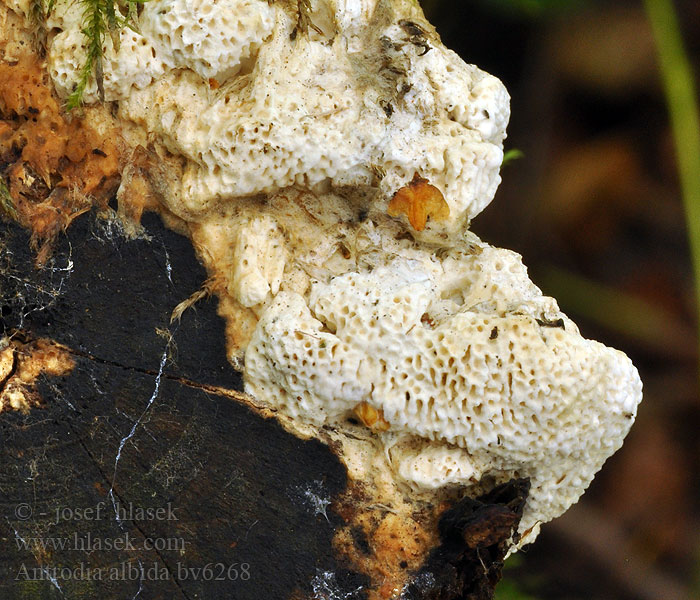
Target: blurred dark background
[(594, 206)]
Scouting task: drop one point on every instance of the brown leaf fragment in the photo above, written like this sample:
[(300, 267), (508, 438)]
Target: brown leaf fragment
[(419, 200), (490, 526), (371, 417)]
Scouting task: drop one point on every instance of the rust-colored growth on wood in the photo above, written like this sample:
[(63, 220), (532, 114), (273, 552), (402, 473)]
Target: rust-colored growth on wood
[(20, 365), (371, 417), (419, 200), (52, 163), (388, 547), (136, 194)]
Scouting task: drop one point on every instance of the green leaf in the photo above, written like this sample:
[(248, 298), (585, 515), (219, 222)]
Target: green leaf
[(511, 155), (679, 86)]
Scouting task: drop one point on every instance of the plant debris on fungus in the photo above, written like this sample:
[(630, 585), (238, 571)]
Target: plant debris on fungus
[(419, 201)]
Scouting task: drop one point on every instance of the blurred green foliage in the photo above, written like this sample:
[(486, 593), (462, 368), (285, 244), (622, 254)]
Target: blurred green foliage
[(509, 590), (679, 86), (534, 8), (511, 155)]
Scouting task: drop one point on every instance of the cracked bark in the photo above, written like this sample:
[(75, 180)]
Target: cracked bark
[(152, 418)]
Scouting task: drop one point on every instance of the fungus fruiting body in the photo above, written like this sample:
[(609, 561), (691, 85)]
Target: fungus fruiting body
[(326, 158)]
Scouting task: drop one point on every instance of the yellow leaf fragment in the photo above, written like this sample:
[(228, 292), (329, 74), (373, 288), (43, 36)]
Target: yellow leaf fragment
[(371, 417), (419, 200)]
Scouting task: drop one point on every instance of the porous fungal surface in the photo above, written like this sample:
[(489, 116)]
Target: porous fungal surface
[(260, 96), (461, 366), (326, 158)]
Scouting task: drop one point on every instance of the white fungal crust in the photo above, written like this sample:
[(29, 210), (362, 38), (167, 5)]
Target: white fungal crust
[(215, 39), (135, 65), (252, 255), (259, 97), (463, 351), (290, 127)]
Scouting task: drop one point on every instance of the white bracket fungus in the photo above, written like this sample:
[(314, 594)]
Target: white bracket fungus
[(475, 371), (372, 99), (287, 132)]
